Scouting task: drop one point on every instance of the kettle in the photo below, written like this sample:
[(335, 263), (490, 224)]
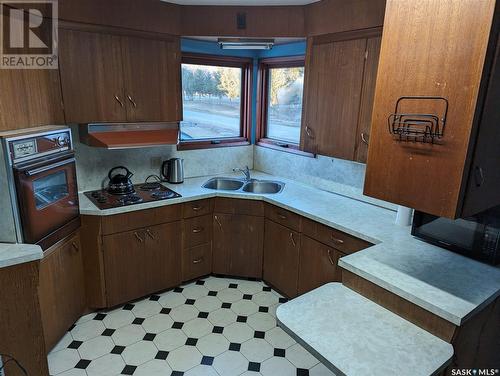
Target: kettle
[(120, 184), (173, 170)]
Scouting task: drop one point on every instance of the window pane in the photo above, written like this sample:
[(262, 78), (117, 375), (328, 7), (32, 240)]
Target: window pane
[(211, 102), (285, 103)]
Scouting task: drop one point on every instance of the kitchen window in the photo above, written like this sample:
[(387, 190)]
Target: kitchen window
[(281, 87), (216, 92)]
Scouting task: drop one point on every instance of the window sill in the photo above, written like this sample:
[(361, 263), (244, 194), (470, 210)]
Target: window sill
[(211, 144), (266, 143)]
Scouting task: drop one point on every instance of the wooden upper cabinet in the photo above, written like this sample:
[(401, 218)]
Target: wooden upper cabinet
[(338, 94), (91, 76), (445, 49), (150, 79), (107, 76)]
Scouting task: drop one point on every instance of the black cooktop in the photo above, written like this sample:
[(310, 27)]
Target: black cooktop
[(145, 192)]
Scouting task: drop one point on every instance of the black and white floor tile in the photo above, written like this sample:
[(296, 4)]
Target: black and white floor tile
[(211, 327)]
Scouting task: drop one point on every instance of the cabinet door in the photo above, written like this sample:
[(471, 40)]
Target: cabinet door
[(162, 257), (91, 76), (333, 91), (61, 289), (367, 95), (124, 266), (317, 265), (238, 245), (152, 79), (196, 261), (281, 257)]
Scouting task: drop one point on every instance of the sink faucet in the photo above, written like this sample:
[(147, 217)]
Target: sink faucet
[(245, 171)]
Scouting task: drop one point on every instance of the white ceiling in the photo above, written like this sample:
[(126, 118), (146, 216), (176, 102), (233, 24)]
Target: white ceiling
[(241, 2)]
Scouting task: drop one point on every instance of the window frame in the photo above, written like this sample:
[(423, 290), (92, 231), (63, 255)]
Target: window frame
[(246, 64), (262, 103)]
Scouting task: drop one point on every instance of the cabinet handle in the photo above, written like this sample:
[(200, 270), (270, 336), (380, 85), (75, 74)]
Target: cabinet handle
[(363, 138), (132, 101), (218, 221), (197, 261), (119, 101), (330, 257), (75, 246), (336, 240), (197, 208), (309, 132), (138, 237), (292, 239), (197, 230), (479, 176), (281, 216), (150, 234)]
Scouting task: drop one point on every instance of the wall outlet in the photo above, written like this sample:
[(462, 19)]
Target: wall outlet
[(155, 163)]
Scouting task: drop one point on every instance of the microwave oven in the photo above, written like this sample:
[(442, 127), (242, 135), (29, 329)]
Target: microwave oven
[(477, 237)]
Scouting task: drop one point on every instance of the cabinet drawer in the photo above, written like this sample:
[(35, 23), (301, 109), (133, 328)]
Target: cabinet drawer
[(197, 208), (138, 219), (334, 238), (283, 217), (196, 261), (197, 230), (236, 206)]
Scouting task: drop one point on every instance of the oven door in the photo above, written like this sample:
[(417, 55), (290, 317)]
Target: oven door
[(47, 198)]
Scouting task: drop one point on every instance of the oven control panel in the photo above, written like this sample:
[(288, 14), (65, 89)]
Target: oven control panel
[(32, 146)]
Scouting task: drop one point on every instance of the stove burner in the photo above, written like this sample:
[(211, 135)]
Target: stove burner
[(163, 195), (129, 200), (154, 186)]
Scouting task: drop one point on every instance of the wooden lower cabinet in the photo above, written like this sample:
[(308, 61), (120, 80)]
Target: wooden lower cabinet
[(281, 257), (317, 265), (196, 261), (238, 245), (61, 289), (142, 261)]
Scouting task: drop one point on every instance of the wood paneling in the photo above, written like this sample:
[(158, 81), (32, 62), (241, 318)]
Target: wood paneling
[(367, 96), (281, 257), (333, 94), (237, 206), (419, 316), (61, 289), (333, 16), (197, 230), (140, 218), (148, 15), (91, 76), (447, 61), (197, 208), (196, 261), (283, 217), (334, 238), (317, 265), (283, 21), (21, 330), (237, 244)]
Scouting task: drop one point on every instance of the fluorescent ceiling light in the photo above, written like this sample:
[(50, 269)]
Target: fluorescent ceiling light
[(245, 44)]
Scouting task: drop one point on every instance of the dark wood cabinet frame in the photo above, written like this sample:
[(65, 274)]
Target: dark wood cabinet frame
[(246, 100), (263, 99)]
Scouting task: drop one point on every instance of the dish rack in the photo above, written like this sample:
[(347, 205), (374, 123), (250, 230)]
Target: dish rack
[(422, 126)]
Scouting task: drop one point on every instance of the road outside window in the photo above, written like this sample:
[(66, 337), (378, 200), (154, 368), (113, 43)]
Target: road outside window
[(211, 102)]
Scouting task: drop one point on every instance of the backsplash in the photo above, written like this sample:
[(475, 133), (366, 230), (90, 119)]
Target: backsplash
[(93, 164), (326, 173)]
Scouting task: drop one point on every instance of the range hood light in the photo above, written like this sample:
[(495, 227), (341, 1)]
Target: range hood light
[(245, 44)]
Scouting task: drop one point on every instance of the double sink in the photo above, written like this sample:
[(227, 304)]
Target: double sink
[(249, 186)]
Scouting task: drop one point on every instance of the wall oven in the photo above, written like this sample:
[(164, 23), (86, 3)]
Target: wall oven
[(39, 190)]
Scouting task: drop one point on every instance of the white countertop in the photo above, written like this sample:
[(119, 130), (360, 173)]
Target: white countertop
[(338, 325), (447, 284), (13, 254)]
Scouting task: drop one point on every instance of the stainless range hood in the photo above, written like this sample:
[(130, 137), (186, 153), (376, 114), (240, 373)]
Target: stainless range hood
[(129, 135)]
